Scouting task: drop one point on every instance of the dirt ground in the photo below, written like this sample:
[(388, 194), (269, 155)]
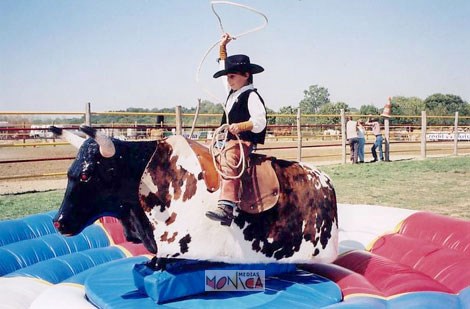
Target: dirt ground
[(14, 170)]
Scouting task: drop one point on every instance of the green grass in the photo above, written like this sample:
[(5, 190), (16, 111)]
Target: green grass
[(20, 205), (439, 185)]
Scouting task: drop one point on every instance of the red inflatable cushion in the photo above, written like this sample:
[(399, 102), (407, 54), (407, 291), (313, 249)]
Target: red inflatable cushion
[(115, 230), (434, 245), (429, 253)]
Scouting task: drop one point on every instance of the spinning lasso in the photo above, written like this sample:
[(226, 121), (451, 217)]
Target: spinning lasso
[(213, 3), (219, 139), (242, 6)]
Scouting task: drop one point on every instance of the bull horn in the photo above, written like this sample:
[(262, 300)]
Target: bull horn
[(73, 139), (107, 148)]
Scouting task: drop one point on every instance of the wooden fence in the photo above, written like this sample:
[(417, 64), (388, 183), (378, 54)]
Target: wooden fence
[(300, 136)]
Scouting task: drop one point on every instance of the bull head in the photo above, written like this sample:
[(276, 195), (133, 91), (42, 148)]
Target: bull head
[(103, 181), (90, 181)]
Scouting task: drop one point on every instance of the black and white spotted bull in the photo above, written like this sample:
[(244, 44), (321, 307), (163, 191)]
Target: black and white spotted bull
[(167, 203)]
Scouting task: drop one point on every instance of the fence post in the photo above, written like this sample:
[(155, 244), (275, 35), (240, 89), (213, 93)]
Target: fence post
[(423, 134), (456, 133), (88, 114), (299, 137), (178, 118), (343, 137)]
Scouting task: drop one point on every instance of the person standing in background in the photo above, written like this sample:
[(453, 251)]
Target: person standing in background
[(361, 134), (375, 125), (353, 140)]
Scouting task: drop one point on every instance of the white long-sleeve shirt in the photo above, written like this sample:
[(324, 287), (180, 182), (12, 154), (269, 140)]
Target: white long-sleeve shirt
[(255, 106)]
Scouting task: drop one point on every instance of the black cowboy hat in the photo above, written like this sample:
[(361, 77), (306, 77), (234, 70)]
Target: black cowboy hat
[(239, 64)]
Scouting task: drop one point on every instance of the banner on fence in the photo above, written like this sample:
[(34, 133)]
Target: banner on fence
[(447, 136)]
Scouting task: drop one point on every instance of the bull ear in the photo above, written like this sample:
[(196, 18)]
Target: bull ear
[(73, 139), (107, 148)]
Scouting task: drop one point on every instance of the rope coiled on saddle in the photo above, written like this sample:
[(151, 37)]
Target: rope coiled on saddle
[(218, 150)]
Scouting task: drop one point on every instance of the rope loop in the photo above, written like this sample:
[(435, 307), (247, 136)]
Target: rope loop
[(264, 24), (218, 150), (213, 3), (219, 139)]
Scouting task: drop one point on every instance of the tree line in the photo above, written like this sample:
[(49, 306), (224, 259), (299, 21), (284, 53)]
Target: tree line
[(316, 101)]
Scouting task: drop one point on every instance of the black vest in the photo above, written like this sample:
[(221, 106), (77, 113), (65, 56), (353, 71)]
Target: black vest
[(240, 113)]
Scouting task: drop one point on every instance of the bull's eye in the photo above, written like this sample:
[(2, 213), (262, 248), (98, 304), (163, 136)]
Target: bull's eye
[(84, 177)]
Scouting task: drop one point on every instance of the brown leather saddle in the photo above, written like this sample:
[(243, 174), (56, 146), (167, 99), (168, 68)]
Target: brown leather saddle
[(260, 186)]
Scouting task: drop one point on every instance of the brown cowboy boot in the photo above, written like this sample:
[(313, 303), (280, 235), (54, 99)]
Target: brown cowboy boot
[(223, 212)]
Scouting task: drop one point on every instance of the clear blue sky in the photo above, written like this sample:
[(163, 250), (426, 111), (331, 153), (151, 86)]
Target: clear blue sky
[(60, 54)]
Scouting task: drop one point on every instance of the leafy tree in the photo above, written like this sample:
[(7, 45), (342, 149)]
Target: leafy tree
[(314, 98), (369, 110), (451, 103), (270, 111), (411, 106), (445, 104), (332, 109), (353, 110), (137, 110), (438, 110), (15, 120), (207, 107), (289, 110), (270, 119)]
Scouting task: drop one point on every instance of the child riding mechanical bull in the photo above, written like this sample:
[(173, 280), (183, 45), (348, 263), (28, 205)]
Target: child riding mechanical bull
[(245, 113)]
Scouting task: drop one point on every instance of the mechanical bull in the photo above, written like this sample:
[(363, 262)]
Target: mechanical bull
[(161, 193)]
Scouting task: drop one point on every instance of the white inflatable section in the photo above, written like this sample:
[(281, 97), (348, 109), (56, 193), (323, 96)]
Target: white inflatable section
[(62, 296), (359, 225), (20, 292)]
